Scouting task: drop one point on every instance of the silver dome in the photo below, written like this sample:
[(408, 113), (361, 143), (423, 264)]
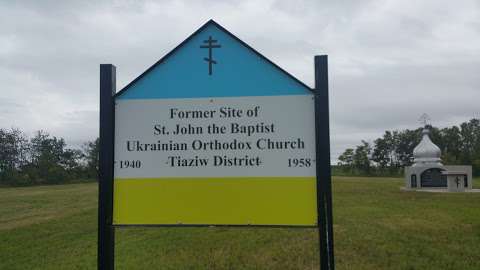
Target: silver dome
[(426, 151)]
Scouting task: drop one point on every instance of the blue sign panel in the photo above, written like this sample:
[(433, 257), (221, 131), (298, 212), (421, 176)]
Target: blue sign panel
[(232, 67)]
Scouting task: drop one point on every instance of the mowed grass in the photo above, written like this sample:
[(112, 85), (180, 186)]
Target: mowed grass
[(377, 226)]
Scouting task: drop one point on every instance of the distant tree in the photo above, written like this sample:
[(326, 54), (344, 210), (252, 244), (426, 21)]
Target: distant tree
[(470, 144), (71, 159), (47, 159), (384, 151), (346, 158), (13, 154), (361, 158), (406, 142), (91, 155), (450, 145), (470, 139)]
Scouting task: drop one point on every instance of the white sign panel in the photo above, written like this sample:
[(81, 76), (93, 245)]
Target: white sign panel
[(215, 137)]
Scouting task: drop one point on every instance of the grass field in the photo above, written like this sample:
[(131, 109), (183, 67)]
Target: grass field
[(377, 226)]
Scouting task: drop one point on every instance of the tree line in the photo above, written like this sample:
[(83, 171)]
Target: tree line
[(389, 154), (44, 159)]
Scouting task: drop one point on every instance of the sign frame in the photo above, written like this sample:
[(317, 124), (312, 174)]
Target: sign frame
[(106, 228)]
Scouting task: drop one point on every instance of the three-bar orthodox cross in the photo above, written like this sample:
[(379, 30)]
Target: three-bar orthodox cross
[(424, 119), (210, 45)]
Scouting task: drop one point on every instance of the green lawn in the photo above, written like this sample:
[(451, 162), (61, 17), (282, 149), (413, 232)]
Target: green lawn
[(377, 226)]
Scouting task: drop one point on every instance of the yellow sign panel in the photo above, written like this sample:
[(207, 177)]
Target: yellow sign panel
[(232, 201)]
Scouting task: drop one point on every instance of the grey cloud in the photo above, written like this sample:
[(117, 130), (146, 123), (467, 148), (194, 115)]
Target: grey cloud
[(389, 61)]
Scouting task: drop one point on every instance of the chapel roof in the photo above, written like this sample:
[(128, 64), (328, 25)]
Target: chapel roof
[(426, 152)]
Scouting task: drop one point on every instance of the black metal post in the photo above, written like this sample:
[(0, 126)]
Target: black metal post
[(324, 178), (106, 232)]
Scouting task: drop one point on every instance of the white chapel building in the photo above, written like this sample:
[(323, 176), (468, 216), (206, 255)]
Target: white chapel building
[(428, 172)]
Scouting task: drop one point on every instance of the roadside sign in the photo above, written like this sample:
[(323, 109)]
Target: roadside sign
[(214, 133)]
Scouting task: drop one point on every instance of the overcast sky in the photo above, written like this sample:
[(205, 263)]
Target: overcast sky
[(390, 60)]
